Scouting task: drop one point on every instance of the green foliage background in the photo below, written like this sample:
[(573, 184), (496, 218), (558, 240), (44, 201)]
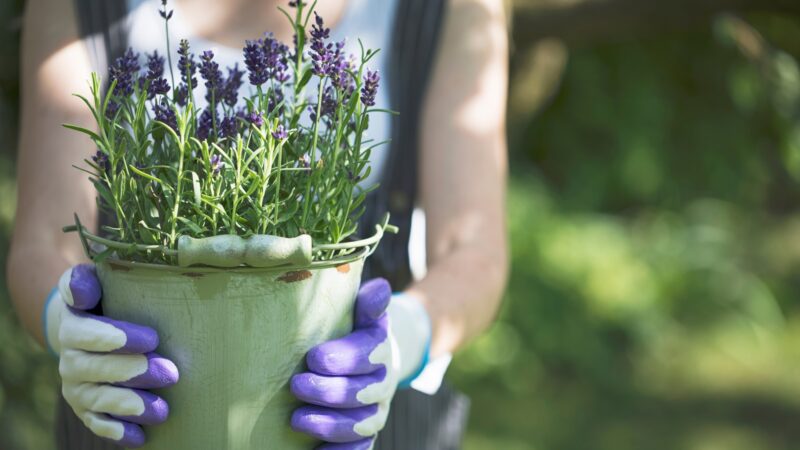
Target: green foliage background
[(653, 301)]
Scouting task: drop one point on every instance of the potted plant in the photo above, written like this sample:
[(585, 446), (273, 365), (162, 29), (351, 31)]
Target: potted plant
[(234, 222)]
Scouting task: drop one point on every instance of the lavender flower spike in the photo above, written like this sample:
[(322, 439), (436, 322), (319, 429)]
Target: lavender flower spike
[(165, 113), (123, 70), (321, 52), (101, 159), (370, 88), (338, 70), (280, 133), (210, 72), (230, 88), (229, 127), (182, 95), (155, 75), (266, 59), (276, 54), (166, 15), (217, 164), (205, 124), (255, 118), (112, 109), (256, 62), (186, 63), (187, 69)]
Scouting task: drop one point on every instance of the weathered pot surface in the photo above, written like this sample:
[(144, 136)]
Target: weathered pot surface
[(236, 336)]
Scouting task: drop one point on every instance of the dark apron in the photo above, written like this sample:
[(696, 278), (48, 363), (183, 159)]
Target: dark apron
[(416, 421)]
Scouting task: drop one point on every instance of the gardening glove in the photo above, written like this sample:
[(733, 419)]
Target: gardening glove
[(351, 381), (105, 364)]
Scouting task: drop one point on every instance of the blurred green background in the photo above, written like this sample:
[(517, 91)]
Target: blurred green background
[(654, 300)]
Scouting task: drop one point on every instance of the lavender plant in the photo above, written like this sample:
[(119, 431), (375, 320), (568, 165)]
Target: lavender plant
[(166, 167)]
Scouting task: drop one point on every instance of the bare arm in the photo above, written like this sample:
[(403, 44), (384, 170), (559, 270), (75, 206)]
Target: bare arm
[(463, 175), (54, 65)]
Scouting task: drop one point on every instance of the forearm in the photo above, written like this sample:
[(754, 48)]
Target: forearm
[(32, 271), (54, 65), (463, 174), (462, 292)]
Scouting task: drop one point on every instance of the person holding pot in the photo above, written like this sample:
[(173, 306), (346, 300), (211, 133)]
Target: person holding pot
[(445, 66)]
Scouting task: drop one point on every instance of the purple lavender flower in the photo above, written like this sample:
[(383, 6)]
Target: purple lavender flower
[(159, 86), (329, 104), (112, 109), (327, 107), (186, 64), (280, 133), (165, 113), (230, 89), (217, 164), (370, 88), (318, 30), (166, 15), (182, 95), (321, 53), (155, 76), (340, 67), (305, 162), (210, 72), (101, 160), (155, 65), (187, 68), (205, 125), (256, 62), (229, 127), (295, 3), (255, 118), (123, 71), (266, 59), (276, 53), (275, 99)]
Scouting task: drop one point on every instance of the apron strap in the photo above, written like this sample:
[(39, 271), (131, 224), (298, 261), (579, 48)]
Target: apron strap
[(416, 33), (102, 25)]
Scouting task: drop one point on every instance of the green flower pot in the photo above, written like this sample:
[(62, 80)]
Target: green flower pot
[(237, 336)]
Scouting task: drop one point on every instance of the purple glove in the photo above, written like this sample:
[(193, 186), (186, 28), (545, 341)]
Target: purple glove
[(351, 381), (105, 364)]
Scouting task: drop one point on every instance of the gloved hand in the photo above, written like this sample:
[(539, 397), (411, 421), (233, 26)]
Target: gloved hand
[(105, 364), (351, 381)]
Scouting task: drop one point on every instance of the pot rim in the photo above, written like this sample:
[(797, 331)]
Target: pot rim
[(354, 250), (357, 256)]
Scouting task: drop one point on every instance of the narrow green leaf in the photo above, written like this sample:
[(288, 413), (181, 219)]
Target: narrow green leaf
[(146, 175), (95, 137), (304, 81), (197, 230), (102, 256)]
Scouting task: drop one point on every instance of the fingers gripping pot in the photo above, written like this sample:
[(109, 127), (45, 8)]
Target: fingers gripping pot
[(237, 333)]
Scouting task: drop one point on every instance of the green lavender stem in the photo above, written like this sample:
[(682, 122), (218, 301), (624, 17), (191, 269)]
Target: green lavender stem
[(312, 156), (173, 237), (169, 53)]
